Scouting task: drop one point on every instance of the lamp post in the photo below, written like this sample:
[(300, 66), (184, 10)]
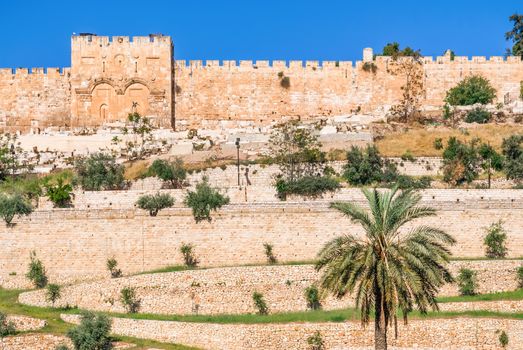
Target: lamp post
[(237, 143)]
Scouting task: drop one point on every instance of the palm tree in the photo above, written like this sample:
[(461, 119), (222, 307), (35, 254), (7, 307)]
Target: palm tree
[(389, 270)]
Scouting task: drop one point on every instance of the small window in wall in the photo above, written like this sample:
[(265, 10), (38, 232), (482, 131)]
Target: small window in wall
[(103, 66), (136, 67)]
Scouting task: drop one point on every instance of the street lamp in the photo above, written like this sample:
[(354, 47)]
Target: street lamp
[(237, 143)]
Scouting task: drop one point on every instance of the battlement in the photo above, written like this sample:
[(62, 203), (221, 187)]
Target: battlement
[(91, 40), (39, 71)]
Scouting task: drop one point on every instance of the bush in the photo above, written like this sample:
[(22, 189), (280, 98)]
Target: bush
[(460, 161), (519, 276), (495, 241), (203, 200), (129, 300), (513, 151), (271, 258), (11, 205), (100, 172), (478, 115), (363, 166), (155, 203), (503, 339), (408, 157), (471, 90), (6, 327), (188, 255), (308, 186), (409, 182), (370, 67), (59, 193), (53, 293), (260, 304), (467, 283), (113, 269), (285, 82), (36, 272), (316, 341), (521, 89), (61, 347), (312, 295), (92, 333), (172, 172)]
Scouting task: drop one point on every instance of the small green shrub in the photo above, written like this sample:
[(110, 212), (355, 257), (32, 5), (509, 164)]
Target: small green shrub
[(36, 273), (519, 276), (467, 282), (495, 241), (61, 347), (92, 333), (316, 341), (364, 166), (308, 186), (269, 253), (11, 205), (260, 304), (155, 203), (438, 143), (478, 115), (408, 157), (172, 172), (203, 200), (6, 327), (503, 338), (112, 266), (100, 172), (189, 258), (285, 82), (129, 300), (370, 67), (521, 89), (471, 90), (312, 295), (59, 193), (53, 293)]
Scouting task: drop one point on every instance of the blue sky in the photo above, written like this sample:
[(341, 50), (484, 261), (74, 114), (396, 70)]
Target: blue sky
[(36, 33)]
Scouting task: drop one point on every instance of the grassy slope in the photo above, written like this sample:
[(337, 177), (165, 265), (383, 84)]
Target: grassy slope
[(9, 305), (420, 141)]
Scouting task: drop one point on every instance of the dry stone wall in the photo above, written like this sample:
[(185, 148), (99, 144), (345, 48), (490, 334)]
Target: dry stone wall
[(75, 243), (449, 334), (229, 290)]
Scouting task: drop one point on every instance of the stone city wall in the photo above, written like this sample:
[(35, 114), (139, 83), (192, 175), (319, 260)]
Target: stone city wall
[(449, 334), (229, 290), (75, 244)]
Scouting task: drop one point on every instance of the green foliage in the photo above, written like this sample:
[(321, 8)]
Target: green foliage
[(28, 186), (449, 115), (467, 282), (409, 182), (10, 156), (59, 193), (141, 129), (521, 89), (393, 50), (312, 295), (189, 258), (53, 293), (516, 35), (478, 115), (112, 266), (61, 347), (100, 172), (438, 143), (203, 200), (495, 241), (316, 341), (11, 205), (363, 167), (36, 272), (6, 327), (129, 300), (382, 270), (155, 203), (92, 333), (172, 172), (260, 304), (269, 253), (503, 339), (285, 82), (407, 156), (512, 149), (309, 186), (461, 161), (519, 276), (296, 150), (471, 90)]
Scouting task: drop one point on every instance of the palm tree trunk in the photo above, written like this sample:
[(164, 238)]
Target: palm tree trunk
[(380, 323)]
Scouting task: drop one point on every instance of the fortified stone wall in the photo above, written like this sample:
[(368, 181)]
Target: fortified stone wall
[(112, 76), (75, 244), (35, 98)]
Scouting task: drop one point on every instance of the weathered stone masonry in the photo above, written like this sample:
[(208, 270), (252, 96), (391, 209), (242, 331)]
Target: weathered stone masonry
[(112, 76)]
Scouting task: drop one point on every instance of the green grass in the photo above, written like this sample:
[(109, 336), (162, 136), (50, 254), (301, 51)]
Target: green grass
[(511, 295), (9, 305)]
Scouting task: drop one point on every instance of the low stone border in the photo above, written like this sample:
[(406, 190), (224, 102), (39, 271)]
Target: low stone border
[(34, 342), (509, 306), (456, 333), (26, 323), (229, 290)]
